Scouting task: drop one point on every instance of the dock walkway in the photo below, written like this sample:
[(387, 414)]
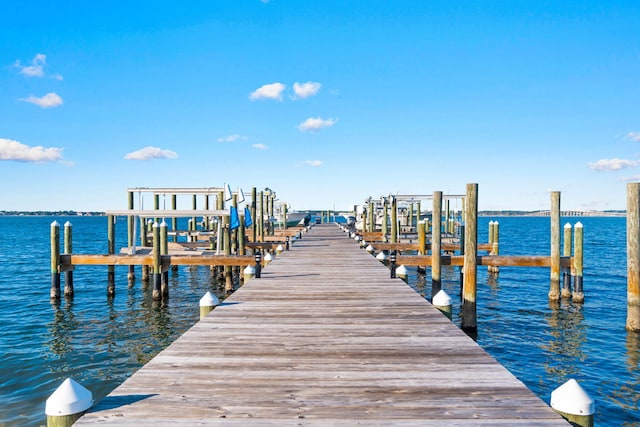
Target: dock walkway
[(325, 337)]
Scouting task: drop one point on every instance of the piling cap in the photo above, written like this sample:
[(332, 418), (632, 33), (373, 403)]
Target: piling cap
[(381, 256), (250, 269), (70, 398), (441, 299), (209, 300), (268, 257), (370, 248), (280, 248), (572, 399), (402, 271)]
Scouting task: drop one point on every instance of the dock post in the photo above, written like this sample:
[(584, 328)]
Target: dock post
[(554, 289), (164, 250), (574, 404), (157, 263), (261, 221), (194, 220), (470, 268), (462, 238), (67, 404), (633, 257), (566, 251), (384, 227), (228, 276), (207, 303), (55, 260), (68, 249), (284, 216), (442, 301), (392, 264), (174, 220), (111, 249), (253, 214), (422, 238), (578, 292), (394, 220), (131, 275), (258, 266), (436, 244), (495, 246)]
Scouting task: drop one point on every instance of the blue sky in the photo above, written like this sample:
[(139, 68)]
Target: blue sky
[(326, 102)]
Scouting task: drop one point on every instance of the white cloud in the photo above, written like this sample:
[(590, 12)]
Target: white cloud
[(314, 163), (269, 91), (305, 90), (260, 147), (613, 164), (313, 124), (149, 153), (36, 69), (634, 136), (232, 138), (14, 150), (50, 100)]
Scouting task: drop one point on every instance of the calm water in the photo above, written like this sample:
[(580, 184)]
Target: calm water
[(100, 342)]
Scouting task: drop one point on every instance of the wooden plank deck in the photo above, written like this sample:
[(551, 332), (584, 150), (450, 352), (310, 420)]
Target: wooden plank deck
[(325, 337)]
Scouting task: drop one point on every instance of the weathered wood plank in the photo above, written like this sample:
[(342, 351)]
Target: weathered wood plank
[(325, 337)]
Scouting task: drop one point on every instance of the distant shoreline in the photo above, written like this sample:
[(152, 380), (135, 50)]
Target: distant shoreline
[(612, 213)]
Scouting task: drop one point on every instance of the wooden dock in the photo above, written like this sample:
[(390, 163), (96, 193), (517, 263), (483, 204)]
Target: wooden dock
[(325, 337)]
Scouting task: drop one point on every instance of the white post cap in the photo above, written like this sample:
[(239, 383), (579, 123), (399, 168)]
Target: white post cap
[(68, 224), (249, 269), (381, 256), (280, 248), (571, 398), (369, 248), (70, 398), (209, 300), (441, 298), (268, 257), (55, 224), (402, 271)]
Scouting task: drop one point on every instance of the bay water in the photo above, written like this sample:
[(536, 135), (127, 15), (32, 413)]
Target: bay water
[(100, 341)]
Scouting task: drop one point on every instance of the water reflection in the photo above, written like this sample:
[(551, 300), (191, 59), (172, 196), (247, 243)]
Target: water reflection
[(567, 334), (626, 394), (60, 329)]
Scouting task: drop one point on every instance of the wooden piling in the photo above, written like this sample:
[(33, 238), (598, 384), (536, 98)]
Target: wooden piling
[(131, 275), (578, 292), (422, 238), (111, 249), (157, 263), (194, 220), (253, 214), (164, 250), (394, 220), (633, 257), (262, 233), (384, 225), (436, 244), (554, 288), (470, 268), (495, 246), (55, 260), (566, 251), (174, 220), (68, 249), (228, 276)]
